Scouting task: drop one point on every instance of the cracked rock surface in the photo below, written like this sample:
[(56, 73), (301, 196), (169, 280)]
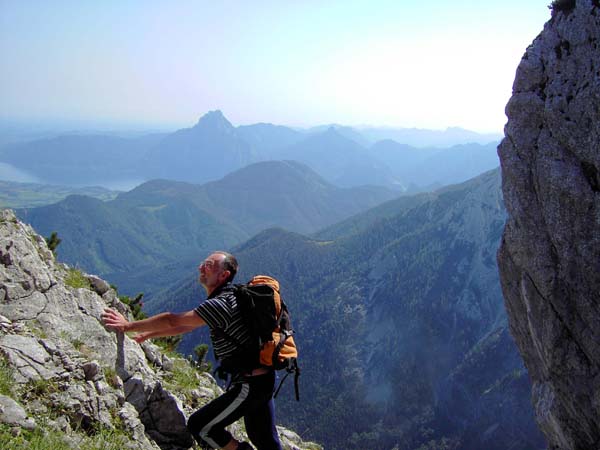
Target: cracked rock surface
[(549, 258), (68, 367)]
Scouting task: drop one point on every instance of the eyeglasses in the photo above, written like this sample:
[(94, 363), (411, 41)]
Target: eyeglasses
[(207, 264)]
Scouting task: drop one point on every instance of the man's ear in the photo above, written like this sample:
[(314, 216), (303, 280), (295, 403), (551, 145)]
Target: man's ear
[(226, 274)]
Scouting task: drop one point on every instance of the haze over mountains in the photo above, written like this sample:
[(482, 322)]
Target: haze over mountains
[(162, 221), (395, 295), (401, 318), (214, 147)]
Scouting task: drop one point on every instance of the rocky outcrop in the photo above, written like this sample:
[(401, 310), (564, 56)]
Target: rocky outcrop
[(550, 254), (68, 374)]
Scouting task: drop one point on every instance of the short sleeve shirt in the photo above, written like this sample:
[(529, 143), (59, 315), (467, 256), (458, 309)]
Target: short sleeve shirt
[(221, 313)]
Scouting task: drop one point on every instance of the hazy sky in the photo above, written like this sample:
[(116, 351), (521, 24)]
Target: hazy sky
[(426, 64)]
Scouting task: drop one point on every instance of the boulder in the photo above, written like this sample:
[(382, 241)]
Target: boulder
[(12, 413)]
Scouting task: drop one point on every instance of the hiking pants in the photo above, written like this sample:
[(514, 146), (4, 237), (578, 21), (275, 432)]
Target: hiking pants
[(251, 398)]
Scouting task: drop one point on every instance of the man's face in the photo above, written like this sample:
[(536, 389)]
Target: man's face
[(211, 271)]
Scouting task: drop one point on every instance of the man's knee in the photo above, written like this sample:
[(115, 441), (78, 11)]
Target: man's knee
[(208, 437), (195, 424)]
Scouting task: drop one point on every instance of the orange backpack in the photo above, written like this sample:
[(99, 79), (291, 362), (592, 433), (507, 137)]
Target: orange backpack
[(268, 319)]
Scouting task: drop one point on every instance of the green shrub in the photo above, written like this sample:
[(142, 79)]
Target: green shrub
[(169, 344), (201, 364), (135, 305), (53, 242)]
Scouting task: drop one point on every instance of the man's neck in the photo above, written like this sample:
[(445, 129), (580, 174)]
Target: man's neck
[(214, 290)]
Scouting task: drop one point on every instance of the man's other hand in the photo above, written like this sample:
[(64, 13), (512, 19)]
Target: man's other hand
[(114, 320), (141, 337)]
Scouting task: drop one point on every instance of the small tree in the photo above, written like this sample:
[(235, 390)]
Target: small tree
[(135, 305), (53, 242), (168, 343), (200, 351), (562, 5)]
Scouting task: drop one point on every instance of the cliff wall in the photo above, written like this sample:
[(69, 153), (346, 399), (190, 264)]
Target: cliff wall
[(549, 258)]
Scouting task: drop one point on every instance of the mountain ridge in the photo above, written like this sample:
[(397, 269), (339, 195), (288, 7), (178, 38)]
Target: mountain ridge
[(162, 221), (431, 286), (213, 147)]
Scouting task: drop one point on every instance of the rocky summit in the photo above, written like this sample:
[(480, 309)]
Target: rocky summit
[(549, 258), (65, 378)]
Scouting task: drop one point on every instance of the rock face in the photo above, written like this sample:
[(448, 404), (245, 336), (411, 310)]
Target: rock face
[(72, 374), (550, 254)]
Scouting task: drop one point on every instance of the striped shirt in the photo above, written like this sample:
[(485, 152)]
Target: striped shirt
[(222, 315)]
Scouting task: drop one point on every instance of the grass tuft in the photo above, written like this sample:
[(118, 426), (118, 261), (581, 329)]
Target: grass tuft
[(76, 279), (48, 439), (182, 378), (112, 378), (20, 439), (7, 382)]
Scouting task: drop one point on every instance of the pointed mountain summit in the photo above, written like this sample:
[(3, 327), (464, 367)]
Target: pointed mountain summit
[(214, 121), (208, 151)]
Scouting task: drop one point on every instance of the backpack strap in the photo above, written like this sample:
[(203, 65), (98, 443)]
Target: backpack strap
[(283, 336), (292, 367)]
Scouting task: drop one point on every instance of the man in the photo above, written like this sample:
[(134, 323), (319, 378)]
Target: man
[(250, 394)]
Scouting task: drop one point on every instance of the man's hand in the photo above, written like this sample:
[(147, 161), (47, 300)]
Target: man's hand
[(163, 324), (114, 320), (141, 337)]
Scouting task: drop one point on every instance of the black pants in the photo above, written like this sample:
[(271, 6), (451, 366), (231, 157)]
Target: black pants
[(250, 398)]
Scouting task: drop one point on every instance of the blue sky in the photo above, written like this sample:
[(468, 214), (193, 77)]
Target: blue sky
[(427, 64)]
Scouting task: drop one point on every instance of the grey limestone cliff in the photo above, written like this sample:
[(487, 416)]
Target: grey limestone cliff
[(549, 258), (70, 377)]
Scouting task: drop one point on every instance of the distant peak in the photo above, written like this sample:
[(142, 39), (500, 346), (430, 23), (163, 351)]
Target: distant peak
[(213, 119), (217, 113), (332, 131)]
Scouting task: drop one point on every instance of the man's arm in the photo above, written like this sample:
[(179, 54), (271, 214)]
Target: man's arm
[(145, 335), (160, 323)]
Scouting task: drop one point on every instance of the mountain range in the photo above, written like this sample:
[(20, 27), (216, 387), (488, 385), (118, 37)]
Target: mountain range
[(400, 319), (417, 137), (395, 297), (162, 222), (213, 147), (82, 160)]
